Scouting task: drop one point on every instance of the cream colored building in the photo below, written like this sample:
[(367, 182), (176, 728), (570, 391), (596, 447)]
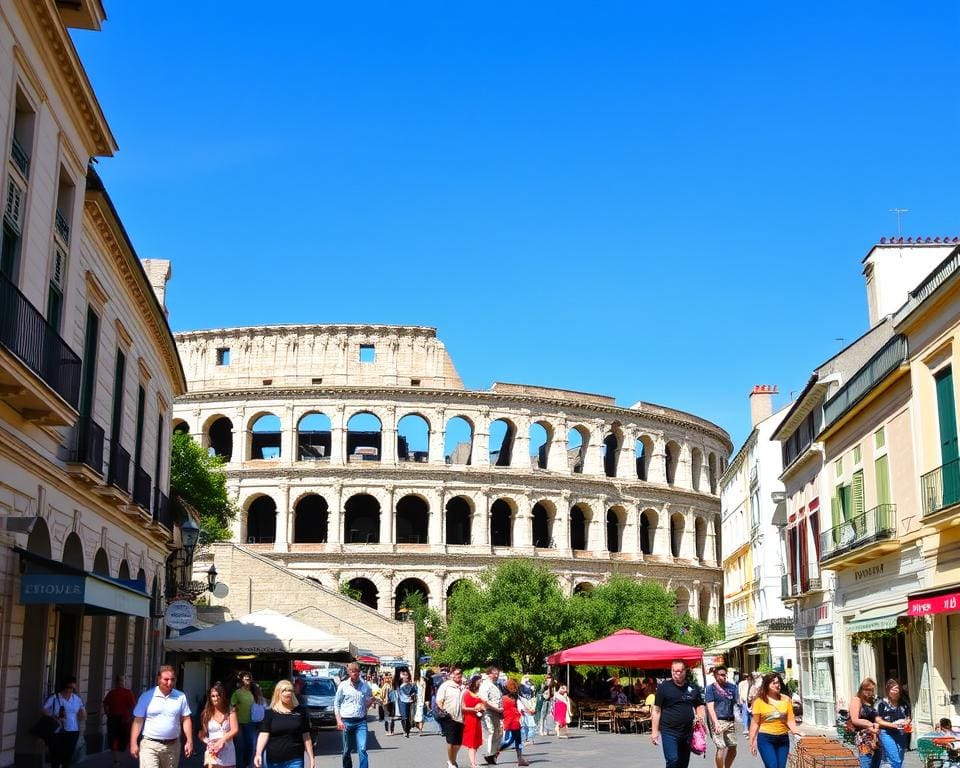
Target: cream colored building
[(88, 373), (357, 456)]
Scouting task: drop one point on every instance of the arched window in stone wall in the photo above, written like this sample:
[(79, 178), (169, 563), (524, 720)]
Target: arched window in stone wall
[(38, 542), (683, 601), (502, 435), (671, 456), (367, 591), (101, 563), (704, 604), (220, 438), (541, 437), (611, 452), (616, 517), (314, 437), (579, 522), (583, 588), (578, 440), (458, 441), (262, 521), (459, 511), (696, 465), (712, 469), (544, 516), (700, 530), (364, 437), (311, 520), (644, 448), (677, 524), (361, 519), (648, 530), (265, 437), (501, 523), (413, 438), (180, 427), (73, 552), (413, 519), (404, 590)]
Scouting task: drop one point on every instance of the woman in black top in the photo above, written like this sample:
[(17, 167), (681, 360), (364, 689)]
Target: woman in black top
[(863, 716), (893, 717), (284, 731)]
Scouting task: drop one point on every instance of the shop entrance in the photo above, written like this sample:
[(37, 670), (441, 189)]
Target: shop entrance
[(893, 662)]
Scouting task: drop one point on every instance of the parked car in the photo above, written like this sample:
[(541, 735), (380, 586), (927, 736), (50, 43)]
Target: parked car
[(318, 693)]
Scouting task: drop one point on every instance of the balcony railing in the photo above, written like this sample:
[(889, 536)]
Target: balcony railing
[(141, 487), (941, 488), (87, 446), (119, 473), (20, 157), (886, 360), (27, 334), (875, 524), (63, 229), (161, 509)]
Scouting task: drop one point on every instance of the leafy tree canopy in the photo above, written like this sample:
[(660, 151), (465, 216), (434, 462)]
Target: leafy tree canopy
[(199, 479)]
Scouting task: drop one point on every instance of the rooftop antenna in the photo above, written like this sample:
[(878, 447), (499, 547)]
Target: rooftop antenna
[(899, 213), (840, 339)]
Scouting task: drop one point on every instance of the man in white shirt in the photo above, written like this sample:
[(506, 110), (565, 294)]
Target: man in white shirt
[(450, 713), (492, 698), (160, 716)]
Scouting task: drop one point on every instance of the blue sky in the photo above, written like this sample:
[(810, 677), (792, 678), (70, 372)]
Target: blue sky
[(666, 204)]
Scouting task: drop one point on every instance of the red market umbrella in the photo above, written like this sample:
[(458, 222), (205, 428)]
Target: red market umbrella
[(627, 648)]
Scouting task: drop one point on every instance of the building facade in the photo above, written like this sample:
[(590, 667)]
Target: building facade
[(88, 374), (359, 458)]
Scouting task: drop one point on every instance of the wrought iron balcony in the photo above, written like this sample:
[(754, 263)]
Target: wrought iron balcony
[(119, 472), (20, 157), (162, 514), (886, 360), (25, 332), (141, 487), (941, 488), (877, 524), (63, 229), (87, 445)]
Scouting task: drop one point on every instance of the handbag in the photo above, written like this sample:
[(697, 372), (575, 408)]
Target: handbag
[(45, 727), (257, 711), (867, 741), (698, 739)]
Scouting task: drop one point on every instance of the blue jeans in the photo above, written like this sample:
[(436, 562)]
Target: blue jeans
[(676, 748), (246, 744), (773, 750), (298, 763), (894, 744), (745, 717), (871, 760), (528, 727), (355, 731)]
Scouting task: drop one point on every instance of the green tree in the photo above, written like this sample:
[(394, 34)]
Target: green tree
[(698, 633), (198, 479), (352, 592), (429, 623)]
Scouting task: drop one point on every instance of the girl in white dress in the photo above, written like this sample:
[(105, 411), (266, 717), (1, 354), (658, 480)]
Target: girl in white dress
[(218, 727)]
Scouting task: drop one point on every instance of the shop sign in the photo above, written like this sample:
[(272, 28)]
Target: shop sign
[(54, 588), (927, 606), (180, 615)]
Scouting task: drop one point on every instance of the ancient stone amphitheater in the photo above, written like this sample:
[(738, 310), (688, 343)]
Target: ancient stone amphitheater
[(357, 456)]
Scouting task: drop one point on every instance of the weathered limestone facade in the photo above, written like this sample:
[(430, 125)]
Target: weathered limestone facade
[(611, 489)]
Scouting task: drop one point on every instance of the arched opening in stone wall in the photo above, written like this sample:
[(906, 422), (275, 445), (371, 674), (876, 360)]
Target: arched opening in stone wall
[(368, 592), (361, 519), (458, 441), (718, 557), (611, 452), (704, 604), (700, 533), (579, 520), (578, 440), (311, 520), (712, 469), (616, 520), (644, 449), (648, 530), (364, 437), (584, 588), (541, 435), (459, 512), (180, 427), (262, 521), (265, 437), (683, 601), (404, 590), (38, 542), (696, 467), (220, 438), (671, 455), (413, 438), (502, 435), (73, 552), (501, 523), (314, 437), (413, 519), (677, 524), (101, 563), (453, 588), (544, 516)]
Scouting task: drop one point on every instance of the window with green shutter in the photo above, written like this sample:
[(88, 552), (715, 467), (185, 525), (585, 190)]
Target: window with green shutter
[(883, 492), (856, 500)]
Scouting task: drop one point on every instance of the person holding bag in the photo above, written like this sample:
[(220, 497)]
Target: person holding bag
[(863, 718), (773, 722), (67, 706)]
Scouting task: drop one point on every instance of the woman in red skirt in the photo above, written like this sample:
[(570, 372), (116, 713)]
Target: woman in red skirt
[(472, 712)]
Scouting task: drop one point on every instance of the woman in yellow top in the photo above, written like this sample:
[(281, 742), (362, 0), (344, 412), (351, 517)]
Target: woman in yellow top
[(772, 723)]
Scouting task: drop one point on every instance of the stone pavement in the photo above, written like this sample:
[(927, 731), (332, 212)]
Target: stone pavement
[(583, 749)]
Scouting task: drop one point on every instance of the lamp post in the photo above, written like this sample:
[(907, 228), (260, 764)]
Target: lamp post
[(189, 535), (211, 578)]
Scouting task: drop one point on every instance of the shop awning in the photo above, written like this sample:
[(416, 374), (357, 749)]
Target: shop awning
[(48, 582), (944, 600), (726, 645), (877, 618)]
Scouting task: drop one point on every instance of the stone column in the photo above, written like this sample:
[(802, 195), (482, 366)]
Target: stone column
[(480, 525), (682, 479), (385, 595), (557, 455), (661, 537), (688, 542), (561, 524), (284, 527), (338, 436), (387, 515), (522, 533), (288, 436), (438, 436), (388, 437), (710, 546), (480, 453), (435, 525), (627, 460), (695, 600), (630, 539), (597, 530), (335, 515), (520, 450), (593, 459)]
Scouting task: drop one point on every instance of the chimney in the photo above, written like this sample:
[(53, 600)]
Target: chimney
[(761, 402), (158, 273)]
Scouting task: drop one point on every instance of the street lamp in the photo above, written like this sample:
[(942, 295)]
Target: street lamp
[(189, 535), (211, 578)]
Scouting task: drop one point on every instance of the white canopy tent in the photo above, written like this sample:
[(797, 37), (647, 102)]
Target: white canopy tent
[(265, 632)]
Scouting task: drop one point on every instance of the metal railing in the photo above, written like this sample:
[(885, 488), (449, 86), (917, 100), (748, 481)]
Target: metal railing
[(886, 360), (28, 335), (141, 487), (875, 524), (63, 229), (20, 157), (119, 473), (87, 444), (941, 487), (162, 513)]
